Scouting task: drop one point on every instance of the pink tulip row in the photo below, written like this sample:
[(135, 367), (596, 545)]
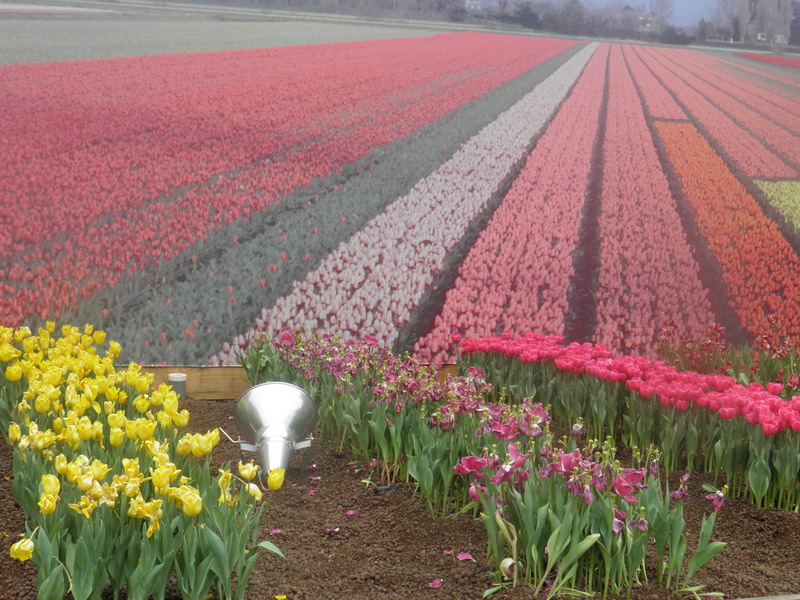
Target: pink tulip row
[(682, 389), (761, 121), (372, 283), (747, 151), (517, 275), (786, 84), (648, 274), (765, 99), (195, 142), (657, 99)]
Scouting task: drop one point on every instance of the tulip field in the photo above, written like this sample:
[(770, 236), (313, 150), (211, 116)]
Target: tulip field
[(403, 189)]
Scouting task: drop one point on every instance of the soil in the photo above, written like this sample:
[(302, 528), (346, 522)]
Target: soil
[(391, 549)]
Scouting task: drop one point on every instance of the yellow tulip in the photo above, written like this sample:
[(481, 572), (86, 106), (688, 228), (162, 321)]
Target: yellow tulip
[(131, 467), (97, 431), (142, 403), (14, 433), (42, 404), (14, 372), (248, 471), (117, 419), (192, 503), (99, 337), (181, 419), (50, 326), (170, 402), (51, 484), (201, 445), (114, 349), (145, 428), (99, 470), (162, 476), (116, 436), (164, 420), (84, 482), (48, 503), (184, 446), (61, 464), (275, 478), (58, 424), (84, 507), (22, 550), (85, 429), (254, 491)]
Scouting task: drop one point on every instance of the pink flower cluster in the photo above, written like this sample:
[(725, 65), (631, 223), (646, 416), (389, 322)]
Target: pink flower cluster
[(683, 390), (192, 143), (648, 274)]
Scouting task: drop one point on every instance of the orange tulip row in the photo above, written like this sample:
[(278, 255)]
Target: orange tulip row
[(759, 267)]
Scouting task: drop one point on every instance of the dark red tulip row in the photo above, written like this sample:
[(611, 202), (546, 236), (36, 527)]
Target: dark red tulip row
[(781, 61), (113, 165)]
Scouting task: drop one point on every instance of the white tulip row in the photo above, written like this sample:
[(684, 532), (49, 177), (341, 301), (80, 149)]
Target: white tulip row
[(371, 284)]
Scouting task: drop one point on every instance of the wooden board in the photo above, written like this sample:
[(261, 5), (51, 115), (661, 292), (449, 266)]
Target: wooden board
[(222, 383)]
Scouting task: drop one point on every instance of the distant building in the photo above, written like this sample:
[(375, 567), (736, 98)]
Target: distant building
[(765, 21)]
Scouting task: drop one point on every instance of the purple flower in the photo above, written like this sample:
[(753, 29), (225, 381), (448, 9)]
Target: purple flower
[(578, 430), (717, 499), (679, 494)]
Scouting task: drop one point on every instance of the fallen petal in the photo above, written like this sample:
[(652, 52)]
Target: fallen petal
[(464, 556), (436, 583)]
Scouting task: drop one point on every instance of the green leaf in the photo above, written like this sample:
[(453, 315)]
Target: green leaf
[(54, 586), (701, 557), (218, 550), (492, 591), (267, 545)]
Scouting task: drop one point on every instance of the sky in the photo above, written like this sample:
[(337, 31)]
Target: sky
[(686, 14)]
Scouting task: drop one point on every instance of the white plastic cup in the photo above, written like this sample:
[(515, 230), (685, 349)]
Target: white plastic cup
[(178, 383)]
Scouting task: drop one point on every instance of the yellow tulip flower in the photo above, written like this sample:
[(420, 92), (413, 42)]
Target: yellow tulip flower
[(14, 372), (116, 436), (181, 419), (248, 471), (48, 503), (84, 507), (14, 433), (51, 484), (22, 550), (254, 491), (99, 470), (275, 478)]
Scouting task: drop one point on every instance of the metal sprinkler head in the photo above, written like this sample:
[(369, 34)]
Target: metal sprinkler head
[(275, 418)]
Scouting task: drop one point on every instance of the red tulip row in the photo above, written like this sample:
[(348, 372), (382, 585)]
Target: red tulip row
[(195, 142), (759, 267), (788, 84), (648, 275), (747, 151), (764, 98), (762, 121), (517, 274), (781, 61), (681, 389)]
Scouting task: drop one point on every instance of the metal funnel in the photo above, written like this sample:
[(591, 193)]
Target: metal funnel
[(275, 418)]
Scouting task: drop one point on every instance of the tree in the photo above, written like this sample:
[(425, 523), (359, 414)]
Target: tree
[(702, 30), (662, 11), (726, 19), (794, 26)]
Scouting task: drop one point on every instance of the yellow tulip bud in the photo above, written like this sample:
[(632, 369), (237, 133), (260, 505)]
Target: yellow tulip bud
[(97, 431), (85, 429), (14, 433), (50, 326), (275, 478), (184, 446), (116, 436), (58, 424), (42, 404), (22, 550), (14, 372), (48, 503), (61, 464), (99, 337), (51, 484), (192, 503), (142, 403)]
